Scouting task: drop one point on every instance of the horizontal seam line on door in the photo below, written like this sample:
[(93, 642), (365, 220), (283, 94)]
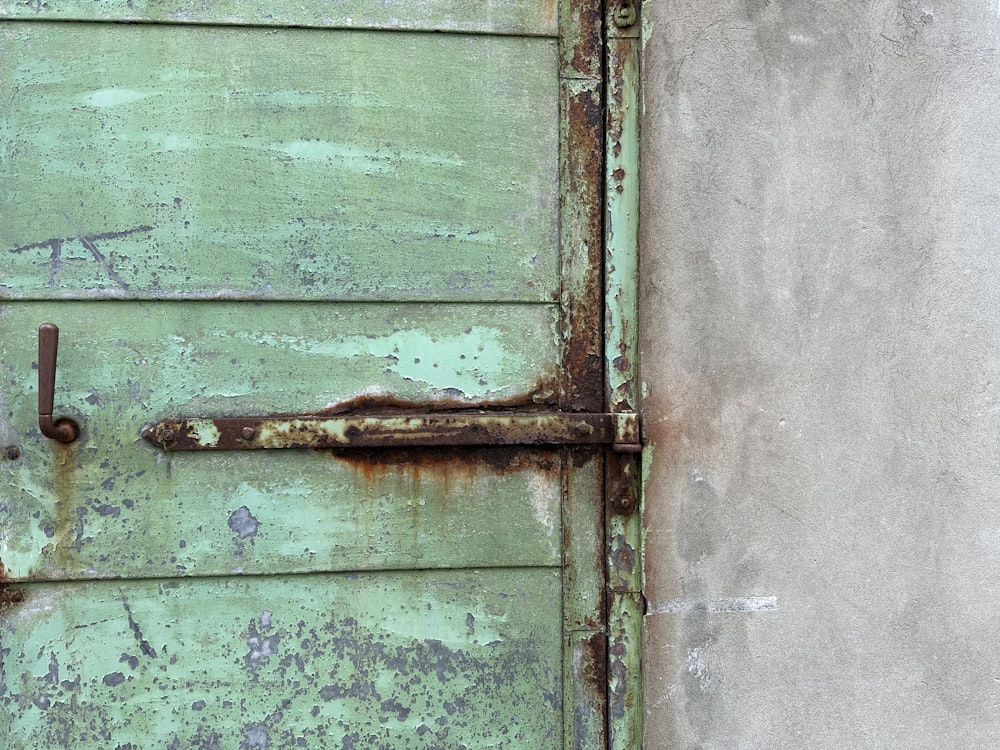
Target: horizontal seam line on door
[(291, 574)]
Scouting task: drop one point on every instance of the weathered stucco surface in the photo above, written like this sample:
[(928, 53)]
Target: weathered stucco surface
[(822, 318)]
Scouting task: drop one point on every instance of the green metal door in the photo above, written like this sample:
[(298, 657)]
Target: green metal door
[(243, 212)]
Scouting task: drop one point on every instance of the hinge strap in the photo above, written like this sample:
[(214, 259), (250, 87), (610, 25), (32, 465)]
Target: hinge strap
[(621, 431)]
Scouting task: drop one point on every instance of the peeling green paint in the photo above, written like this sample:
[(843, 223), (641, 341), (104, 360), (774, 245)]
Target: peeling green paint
[(229, 218), (404, 660), (624, 532), (516, 17), (260, 176)]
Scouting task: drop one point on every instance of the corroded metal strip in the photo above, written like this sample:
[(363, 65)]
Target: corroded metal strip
[(584, 618), (414, 430), (622, 227), (624, 672), (624, 526), (581, 222), (581, 38)]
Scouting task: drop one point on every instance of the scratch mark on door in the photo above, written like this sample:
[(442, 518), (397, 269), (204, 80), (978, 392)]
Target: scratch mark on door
[(88, 242)]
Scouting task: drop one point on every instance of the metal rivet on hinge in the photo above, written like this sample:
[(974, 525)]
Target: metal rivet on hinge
[(625, 14), (247, 433), (624, 495)]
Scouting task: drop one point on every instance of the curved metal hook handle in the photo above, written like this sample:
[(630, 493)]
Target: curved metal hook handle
[(64, 430)]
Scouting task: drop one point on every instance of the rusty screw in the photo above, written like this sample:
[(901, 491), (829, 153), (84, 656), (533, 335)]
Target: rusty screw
[(247, 433), (625, 15), (167, 436), (11, 452)]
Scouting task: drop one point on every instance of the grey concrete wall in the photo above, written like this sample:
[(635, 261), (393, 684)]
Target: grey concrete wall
[(821, 316)]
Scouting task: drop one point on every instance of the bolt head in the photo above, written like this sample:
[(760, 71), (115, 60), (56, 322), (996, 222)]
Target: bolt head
[(247, 433), (167, 436)]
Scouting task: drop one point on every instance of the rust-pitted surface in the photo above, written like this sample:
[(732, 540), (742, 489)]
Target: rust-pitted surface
[(9, 596), (589, 677), (582, 247), (374, 431), (595, 672), (622, 19), (581, 36)]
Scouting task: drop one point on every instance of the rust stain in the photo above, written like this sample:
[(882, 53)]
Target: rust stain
[(623, 555), (587, 21), (448, 463), (618, 692), (9, 596), (397, 430), (549, 11), (583, 363), (538, 398), (621, 484), (596, 671), (582, 456), (68, 524)]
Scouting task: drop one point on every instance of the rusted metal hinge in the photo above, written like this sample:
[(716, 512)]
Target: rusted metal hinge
[(620, 431)]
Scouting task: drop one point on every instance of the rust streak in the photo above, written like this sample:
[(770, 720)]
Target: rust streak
[(9, 596), (453, 463), (596, 671), (585, 24), (66, 521), (583, 320), (537, 398)]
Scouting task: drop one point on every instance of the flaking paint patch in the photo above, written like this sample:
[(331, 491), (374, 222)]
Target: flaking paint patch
[(113, 97), (545, 500), (475, 362), (261, 645), (204, 431), (242, 521), (347, 667), (255, 737)]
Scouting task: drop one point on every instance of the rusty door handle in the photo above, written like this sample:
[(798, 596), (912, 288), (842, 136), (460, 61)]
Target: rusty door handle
[(64, 430)]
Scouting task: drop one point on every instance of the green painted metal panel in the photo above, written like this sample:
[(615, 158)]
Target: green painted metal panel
[(68, 509), (148, 161), (520, 17), (244, 219), (83, 513), (127, 363), (407, 660)]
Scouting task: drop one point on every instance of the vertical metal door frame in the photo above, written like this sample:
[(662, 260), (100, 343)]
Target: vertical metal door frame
[(624, 525)]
